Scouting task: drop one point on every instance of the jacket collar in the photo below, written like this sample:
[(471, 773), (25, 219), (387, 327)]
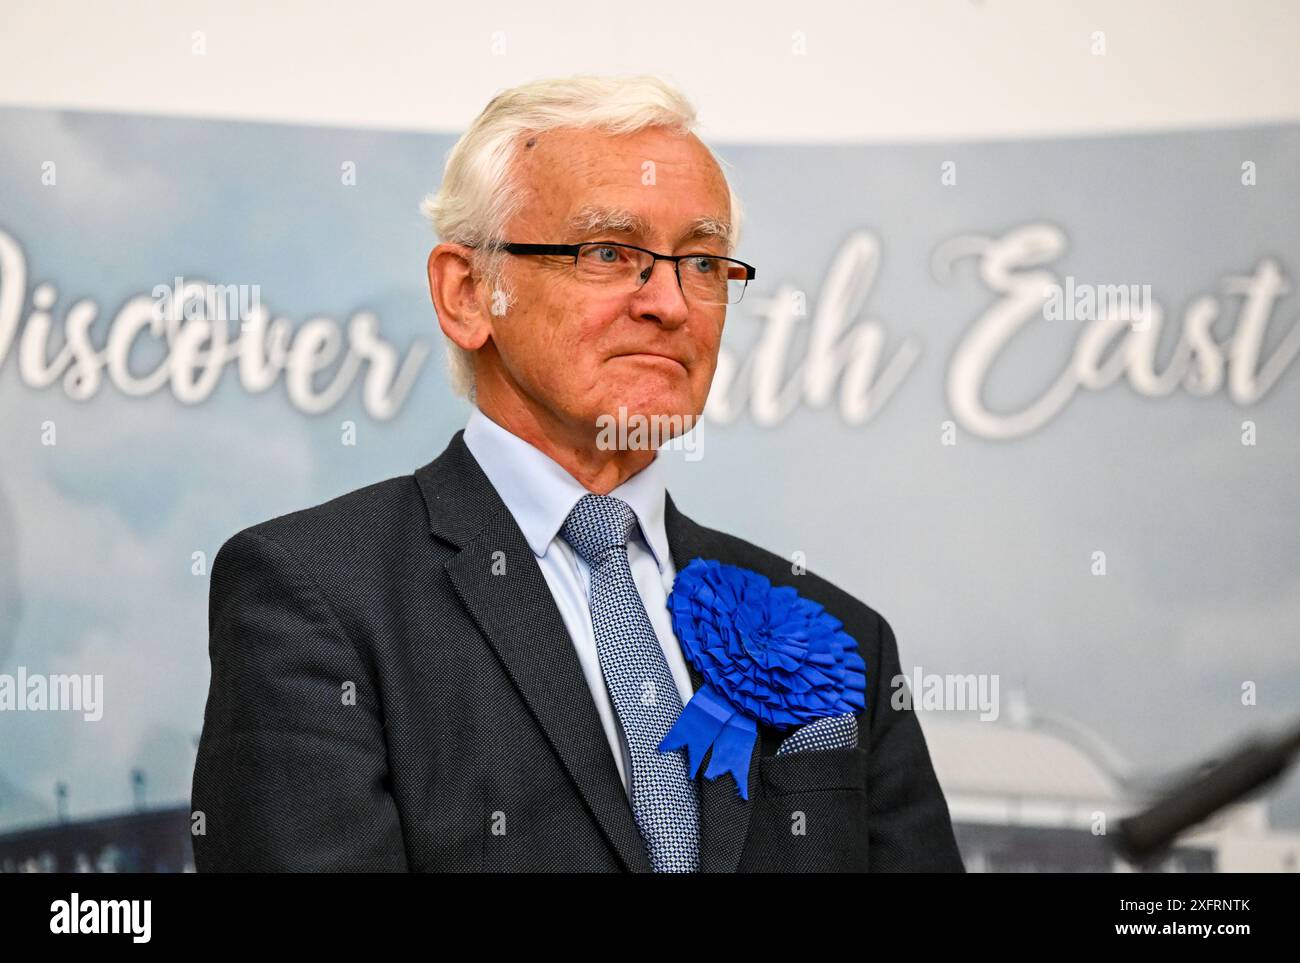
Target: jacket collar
[(540, 493)]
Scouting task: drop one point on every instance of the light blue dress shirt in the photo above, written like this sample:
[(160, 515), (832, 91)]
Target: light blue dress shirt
[(540, 494)]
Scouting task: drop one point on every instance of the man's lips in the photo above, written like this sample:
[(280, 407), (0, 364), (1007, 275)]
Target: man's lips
[(651, 354)]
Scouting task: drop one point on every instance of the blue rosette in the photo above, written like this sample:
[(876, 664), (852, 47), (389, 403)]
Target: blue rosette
[(767, 655)]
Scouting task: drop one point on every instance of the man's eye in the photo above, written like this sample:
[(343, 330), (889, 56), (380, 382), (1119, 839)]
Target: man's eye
[(703, 264), (604, 254)]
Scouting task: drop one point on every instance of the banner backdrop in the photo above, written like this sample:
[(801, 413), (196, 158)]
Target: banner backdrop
[(1036, 402)]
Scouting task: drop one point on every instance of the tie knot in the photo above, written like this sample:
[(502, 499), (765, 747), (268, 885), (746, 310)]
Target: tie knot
[(597, 524)]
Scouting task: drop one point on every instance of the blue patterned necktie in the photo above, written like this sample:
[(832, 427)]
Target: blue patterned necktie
[(640, 684)]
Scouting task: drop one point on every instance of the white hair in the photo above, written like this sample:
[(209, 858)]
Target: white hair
[(479, 196)]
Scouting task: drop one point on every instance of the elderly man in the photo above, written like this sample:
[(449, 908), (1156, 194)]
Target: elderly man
[(499, 662)]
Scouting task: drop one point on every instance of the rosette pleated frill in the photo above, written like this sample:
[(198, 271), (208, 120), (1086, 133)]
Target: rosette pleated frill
[(767, 654)]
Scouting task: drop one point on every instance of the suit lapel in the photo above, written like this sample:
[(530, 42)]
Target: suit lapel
[(724, 816), (517, 614)]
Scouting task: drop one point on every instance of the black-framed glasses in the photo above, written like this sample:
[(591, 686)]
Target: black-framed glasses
[(708, 279)]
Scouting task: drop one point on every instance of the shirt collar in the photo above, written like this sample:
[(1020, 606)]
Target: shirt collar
[(540, 493)]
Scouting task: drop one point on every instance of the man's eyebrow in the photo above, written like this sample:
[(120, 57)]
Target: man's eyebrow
[(615, 220), (706, 227), (603, 220)]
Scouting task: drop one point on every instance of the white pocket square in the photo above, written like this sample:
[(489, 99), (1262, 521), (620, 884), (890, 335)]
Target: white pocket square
[(830, 732)]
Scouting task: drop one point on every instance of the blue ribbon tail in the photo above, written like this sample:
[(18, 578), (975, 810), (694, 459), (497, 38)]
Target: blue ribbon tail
[(709, 721), (697, 727), (732, 751)]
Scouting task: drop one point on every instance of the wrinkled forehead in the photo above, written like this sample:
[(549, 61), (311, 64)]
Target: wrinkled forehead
[(651, 186)]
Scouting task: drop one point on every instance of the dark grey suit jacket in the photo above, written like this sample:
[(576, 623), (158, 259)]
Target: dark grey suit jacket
[(382, 700)]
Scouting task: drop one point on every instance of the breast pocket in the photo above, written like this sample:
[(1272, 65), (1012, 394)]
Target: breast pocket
[(811, 815)]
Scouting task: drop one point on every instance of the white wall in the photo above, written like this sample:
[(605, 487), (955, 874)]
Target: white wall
[(921, 69)]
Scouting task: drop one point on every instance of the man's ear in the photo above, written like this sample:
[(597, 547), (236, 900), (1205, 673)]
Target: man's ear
[(458, 297)]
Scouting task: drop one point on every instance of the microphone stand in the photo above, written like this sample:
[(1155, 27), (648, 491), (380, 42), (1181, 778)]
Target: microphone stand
[(1258, 761)]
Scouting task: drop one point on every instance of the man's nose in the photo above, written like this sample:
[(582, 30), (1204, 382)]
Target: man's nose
[(661, 298)]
